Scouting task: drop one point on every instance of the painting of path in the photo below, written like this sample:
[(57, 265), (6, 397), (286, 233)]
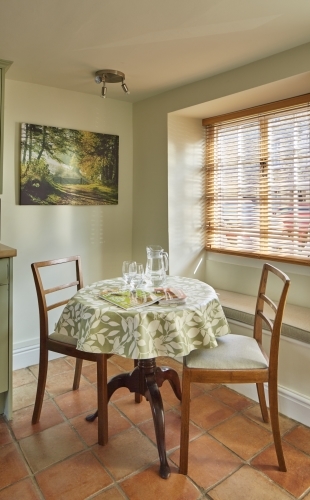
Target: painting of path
[(62, 166)]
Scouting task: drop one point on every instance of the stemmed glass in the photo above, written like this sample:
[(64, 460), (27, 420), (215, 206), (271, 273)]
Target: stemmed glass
[(132, 273), (139, 276), (136, 273), (125, 271)]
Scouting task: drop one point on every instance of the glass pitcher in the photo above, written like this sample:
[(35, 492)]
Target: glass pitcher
[(156, 265)]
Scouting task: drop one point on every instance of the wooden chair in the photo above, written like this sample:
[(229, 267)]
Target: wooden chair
[(66, 345), (241, 359)]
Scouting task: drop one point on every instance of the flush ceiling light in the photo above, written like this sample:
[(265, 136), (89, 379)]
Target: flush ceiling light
[(105, 76)]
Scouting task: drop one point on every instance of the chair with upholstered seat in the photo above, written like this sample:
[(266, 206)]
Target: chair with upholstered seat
[(64, 344), (242, 359)]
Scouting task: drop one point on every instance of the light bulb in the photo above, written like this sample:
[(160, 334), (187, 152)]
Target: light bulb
[(125, 88)]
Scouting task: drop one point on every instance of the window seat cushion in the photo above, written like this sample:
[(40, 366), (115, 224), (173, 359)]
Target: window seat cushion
[(240, 307)]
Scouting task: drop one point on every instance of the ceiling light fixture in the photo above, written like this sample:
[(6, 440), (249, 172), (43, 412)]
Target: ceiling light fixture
[(105, 76)]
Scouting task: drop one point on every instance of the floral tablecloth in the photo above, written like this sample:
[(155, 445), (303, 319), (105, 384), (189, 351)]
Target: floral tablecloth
[(145, 332)]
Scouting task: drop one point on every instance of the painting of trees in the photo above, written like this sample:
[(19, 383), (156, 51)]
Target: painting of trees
[(68, 167)]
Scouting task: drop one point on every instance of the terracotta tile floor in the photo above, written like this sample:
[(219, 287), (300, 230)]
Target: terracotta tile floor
[(231, 453)]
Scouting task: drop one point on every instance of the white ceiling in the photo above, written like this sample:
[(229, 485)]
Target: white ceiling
[(159, 45)]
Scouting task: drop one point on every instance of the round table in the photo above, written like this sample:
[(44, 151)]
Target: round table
[(143, 334)]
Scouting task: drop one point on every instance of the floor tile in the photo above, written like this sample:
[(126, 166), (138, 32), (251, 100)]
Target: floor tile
[(207, 412), (21, 423), (22, 377), (90, 372), (209, 461), (172, 430), (299, 437), (153, 487), (25, 395), (231, 398), (25, 490), (242, 436), (126, 453), (62, 383), (254, 413), (76, 478), (5, 435), (168, 395), (75, 403), (89, 430), (248, 484), (204, 387), (72, 362), (297, 478), (50, 446), (136, 412), (121, 393), (127, 365), (55, 367), (12, 465), (110, 494), (226, 430)]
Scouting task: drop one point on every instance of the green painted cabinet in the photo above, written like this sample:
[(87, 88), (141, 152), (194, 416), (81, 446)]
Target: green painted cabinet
[(4, 325), (6, 328)]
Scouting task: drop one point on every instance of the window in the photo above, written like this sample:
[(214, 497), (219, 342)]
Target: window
[(258, 181)]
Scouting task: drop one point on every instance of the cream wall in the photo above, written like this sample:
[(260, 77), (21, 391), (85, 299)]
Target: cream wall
[(186, 197), (166, 209), (102, 235), (150, 129)]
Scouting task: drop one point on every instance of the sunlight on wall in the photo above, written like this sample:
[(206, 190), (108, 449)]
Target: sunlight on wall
[(185, 196)]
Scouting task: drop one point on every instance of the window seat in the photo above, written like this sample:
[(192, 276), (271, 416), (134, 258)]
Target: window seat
[(240, 307)]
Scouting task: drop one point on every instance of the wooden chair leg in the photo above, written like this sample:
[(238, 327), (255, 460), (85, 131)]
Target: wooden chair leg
[(185, 412), (274, 417), (262, 402), (102, 393), (77, 373), (43, 364)]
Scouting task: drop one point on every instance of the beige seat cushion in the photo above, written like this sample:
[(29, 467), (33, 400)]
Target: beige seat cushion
[(235, 352), (63, 338)]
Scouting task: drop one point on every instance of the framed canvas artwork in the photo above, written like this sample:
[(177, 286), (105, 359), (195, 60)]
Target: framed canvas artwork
[(62, 166)]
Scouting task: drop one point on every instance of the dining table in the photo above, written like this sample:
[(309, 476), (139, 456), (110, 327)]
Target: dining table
[(143, 334)]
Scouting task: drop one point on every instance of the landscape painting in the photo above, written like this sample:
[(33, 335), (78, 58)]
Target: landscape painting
[(61, 166)]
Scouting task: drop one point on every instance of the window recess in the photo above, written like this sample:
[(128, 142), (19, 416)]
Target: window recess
[(258, 181)]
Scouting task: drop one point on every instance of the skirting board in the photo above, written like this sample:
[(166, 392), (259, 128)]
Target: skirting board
[(28, 356)]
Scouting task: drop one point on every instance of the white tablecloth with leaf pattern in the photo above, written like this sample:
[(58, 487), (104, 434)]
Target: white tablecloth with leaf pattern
[(145, 332)]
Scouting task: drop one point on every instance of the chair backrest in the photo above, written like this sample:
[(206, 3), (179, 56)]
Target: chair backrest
[(42, 292), (269, 313)]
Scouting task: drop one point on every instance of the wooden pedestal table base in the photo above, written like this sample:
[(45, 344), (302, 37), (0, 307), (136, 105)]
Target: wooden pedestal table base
[(145, 380)]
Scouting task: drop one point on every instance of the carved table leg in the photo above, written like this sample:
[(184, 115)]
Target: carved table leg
[(145, 380), (156, 404), (166, 373)]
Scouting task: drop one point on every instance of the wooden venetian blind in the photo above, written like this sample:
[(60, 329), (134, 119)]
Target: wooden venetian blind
[(258, 182)]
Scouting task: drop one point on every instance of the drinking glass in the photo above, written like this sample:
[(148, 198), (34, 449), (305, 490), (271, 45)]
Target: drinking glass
[(125, 271), (137, 278), (132, 271)]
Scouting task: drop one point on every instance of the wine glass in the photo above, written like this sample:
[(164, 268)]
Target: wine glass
[(139, 275), (132, 271), (125, 271)]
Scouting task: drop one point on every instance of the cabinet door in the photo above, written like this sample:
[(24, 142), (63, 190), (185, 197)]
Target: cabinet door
[(4, 326)]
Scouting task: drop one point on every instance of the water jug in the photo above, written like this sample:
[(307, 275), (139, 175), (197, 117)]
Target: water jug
[(156, 265)]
